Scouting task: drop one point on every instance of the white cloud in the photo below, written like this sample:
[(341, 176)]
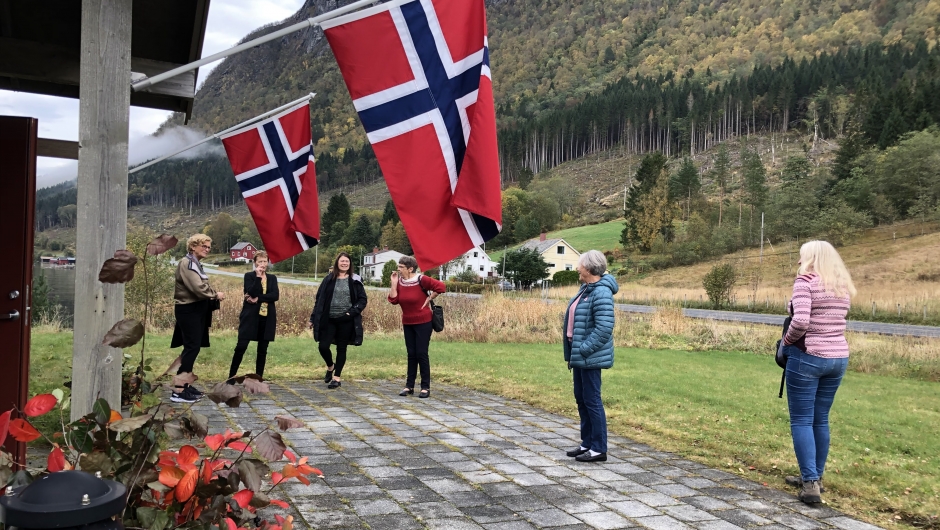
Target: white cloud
[(229, 21)]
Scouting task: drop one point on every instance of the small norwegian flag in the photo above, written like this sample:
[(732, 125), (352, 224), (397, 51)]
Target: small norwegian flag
[(274, 166), (418, 72)]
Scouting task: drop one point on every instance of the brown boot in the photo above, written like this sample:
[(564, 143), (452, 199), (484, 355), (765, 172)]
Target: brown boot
[(797, 482), (810, 493)]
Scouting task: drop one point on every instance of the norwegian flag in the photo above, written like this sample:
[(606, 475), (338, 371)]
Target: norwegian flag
[(274, 166), (419, 76)]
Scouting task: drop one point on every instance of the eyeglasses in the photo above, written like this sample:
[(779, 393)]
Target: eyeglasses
[(207, 247)]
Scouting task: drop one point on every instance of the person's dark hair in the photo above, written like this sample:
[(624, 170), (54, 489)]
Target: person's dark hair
[(336, 263), (408, 262)]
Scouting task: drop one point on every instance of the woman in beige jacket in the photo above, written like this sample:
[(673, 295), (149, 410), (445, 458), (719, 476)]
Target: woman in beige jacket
[(194, 300)]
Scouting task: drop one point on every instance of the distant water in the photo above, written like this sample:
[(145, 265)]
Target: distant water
[(61, 282)]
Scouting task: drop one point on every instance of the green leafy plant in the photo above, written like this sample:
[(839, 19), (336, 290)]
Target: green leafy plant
[(719, 284), (214, 484)]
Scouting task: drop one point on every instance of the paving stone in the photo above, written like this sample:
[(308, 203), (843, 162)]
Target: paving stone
[(655, 499), (715, 525), (462, 499), (375, 507), (531, 479), (575, 505), (675, 490), (662, 522), (524, 503), (393, 522), (549, 518), (846, 523), (417, 495), (331, 520), (483, 477), (491, 513), (727, 494), (797, 522), (742, 517), (605, 520), (451, 524), (685, 512), (502, 489), (509, 525), (707, 503), (759, 506), (359, 492), (434, 510), (633, 509)]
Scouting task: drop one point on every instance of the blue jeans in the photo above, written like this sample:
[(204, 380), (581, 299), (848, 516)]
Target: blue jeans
[(811, 388), (587, 393)]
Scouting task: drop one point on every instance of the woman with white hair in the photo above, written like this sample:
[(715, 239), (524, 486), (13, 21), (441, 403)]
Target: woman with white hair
[(817, 356), (589, 348)]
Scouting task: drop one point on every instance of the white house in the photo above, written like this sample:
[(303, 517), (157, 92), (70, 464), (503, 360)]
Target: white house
[(557, 253), (374, 262), (476, 260)]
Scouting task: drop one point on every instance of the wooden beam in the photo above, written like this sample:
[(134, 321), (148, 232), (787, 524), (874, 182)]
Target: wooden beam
[(104, 114), (57, 149), (50, 63)]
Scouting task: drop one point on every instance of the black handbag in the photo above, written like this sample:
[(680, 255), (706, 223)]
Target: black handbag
[(437, 316), (781, 354)]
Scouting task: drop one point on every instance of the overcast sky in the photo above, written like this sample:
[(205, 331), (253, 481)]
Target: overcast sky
[(229, 21)]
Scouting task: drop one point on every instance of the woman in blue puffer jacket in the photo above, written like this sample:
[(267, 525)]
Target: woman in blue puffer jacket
[(589, 348)]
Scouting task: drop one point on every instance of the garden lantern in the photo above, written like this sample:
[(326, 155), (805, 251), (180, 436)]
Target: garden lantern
[(64, 500)]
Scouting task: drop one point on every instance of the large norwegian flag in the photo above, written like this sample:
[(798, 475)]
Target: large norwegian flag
[(274, 166), (419, 76)]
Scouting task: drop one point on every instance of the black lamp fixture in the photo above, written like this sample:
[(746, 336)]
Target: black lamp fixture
[(67, 500)]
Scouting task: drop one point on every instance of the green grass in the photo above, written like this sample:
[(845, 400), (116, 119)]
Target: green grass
[(602, 236), (715, 407)]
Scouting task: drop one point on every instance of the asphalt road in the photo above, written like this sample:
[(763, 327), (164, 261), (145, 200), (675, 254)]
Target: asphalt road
[(881, 328)]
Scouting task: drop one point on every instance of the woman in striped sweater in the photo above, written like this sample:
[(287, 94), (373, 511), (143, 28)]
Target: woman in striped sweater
[(817, 358)]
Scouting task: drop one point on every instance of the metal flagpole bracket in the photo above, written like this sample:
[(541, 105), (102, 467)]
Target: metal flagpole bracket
[(140, 84), (222, 133)]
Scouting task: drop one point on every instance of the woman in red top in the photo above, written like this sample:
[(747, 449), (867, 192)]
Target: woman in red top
[(413, 293)]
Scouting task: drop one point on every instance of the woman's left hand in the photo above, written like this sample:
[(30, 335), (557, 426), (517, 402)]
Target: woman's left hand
[(427, 302)]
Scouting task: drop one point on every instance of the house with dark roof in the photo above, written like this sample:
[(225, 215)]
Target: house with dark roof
[(243, 251), (559, 255)]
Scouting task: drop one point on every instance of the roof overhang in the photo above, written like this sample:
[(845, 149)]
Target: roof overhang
[(40, 43)]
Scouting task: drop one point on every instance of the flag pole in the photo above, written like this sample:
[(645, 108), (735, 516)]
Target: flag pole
[(310, 22), (230, 129)]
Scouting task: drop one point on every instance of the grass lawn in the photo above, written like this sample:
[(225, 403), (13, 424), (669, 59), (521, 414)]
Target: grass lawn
[(603, 236), (716, 407)]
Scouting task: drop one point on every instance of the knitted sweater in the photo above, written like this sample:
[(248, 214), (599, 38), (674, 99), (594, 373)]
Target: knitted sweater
[(412, 293), (819, 315)]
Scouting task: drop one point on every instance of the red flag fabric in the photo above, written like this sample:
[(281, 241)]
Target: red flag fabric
[(418, 73), (274, 165)]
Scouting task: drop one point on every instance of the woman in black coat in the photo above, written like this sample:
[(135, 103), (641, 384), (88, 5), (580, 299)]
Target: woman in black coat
[(337, 316), (258, 319)]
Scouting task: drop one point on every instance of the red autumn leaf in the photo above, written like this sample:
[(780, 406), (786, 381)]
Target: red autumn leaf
[(187, 485), (279, 519), (56, 460), (276, 478), (243, 497), (306, 470), (239, 446), (22, 431), (4, 426), (276, 502), (206, 472), (229, 435), (302, 461), (214, 441), (188, 454), (39, 405), (170, 476), (230, 524), (186, 466), (305, 480), (290, 456), (289, 471), (161, 244)]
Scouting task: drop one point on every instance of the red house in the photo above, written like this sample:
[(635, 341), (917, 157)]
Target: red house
[(243, 252)]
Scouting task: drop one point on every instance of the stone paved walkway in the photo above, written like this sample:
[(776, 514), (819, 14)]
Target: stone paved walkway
[(466, 460)]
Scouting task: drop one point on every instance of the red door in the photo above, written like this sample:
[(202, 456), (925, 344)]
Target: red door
[(17, 209)]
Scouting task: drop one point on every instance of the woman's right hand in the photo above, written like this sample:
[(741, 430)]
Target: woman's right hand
[(220, 295), (394, 278)]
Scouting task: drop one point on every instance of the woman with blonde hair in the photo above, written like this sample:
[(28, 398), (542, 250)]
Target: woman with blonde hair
[(194, 301), (817, 356)]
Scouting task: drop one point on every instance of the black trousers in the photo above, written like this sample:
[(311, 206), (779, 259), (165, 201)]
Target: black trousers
[(191, 323), (341, 331), (242, 346), (417, 342)]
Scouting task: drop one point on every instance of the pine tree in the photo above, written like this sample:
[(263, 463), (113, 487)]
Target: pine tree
[(651, 168), (338, 211), (362, 234), (685, 184), (755, 178), (390, 214), (720, 174)]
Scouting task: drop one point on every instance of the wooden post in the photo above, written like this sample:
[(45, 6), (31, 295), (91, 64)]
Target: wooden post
[(104, 111)]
